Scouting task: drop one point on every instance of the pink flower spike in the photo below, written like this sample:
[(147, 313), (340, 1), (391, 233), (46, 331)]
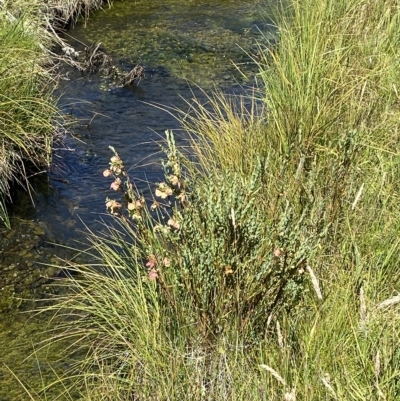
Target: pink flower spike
[(174, 180), (161, 194), (151, 262), (116, 184), (153, 274), (113, 206), (106, 173), (154, 206), (173, 223)]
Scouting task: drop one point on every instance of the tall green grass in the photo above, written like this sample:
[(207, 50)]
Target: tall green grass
[(27, 110), (27, 79), (272, 274)]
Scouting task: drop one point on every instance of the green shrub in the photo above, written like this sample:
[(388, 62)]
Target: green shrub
[(220, 262), (235, 265)]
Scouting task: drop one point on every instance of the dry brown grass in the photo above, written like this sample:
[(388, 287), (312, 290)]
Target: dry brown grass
[(71, 9), (62, 10)]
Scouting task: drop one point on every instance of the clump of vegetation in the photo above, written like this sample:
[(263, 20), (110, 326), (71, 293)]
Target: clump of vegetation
[(61, 12), (27, 108), (70, 10), (266, 266)]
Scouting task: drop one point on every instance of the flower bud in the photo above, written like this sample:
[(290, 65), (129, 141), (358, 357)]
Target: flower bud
[(116, 184), (174, 224)]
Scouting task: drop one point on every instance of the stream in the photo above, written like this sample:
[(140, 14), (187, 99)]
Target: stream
[(184, 45)]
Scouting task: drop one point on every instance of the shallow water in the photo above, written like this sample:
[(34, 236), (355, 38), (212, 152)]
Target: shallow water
[(182, 44)]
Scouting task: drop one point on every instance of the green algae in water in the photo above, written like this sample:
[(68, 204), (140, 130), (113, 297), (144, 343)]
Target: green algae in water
[(22, 359), (27, 262), (204, 42)]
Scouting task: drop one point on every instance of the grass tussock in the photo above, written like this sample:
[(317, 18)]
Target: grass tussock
[(27, 109), (69, 10), (269, 270), (61, 11)]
